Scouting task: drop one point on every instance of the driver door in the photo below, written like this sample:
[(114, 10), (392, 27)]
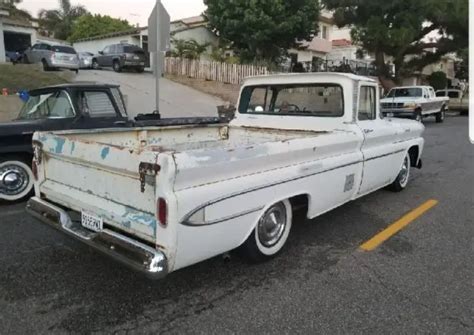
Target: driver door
[(382, 160)]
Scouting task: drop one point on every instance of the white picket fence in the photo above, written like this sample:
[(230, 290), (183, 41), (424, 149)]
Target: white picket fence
[(209, 70)]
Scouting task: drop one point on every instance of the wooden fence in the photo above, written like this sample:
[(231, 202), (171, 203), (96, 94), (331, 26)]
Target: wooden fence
[(209, 70)]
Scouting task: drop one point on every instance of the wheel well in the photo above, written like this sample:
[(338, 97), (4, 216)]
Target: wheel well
[(300, 204), (414, 153), (25, 157)]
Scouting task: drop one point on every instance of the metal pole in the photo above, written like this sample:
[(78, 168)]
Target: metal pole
[(157, 61)]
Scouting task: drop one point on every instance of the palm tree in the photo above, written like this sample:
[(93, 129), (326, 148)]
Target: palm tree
[(59, 22)]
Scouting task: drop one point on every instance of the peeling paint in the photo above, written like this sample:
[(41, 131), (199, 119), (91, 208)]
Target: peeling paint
[(58, 149), (105, 152)]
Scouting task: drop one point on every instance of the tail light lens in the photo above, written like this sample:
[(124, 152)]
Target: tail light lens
[(162, 208)]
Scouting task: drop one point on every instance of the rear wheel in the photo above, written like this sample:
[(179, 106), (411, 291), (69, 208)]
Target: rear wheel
[(271, 233), (440, 116), (16, 178), (45, 65), (95, 64), (403, 176), (116, 66)]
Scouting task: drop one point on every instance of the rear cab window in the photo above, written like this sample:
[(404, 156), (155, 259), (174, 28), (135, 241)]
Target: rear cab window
[(97, 104), (321, 100), (132, 49)]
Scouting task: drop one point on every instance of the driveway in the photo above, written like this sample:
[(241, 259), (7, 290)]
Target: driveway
[(176, 100)]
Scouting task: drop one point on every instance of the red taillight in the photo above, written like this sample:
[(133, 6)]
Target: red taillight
[(162, 208)]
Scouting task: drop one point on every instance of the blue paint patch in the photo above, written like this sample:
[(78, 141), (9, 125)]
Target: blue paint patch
[(73, 147), (58, 149), (105, 152), (141, 218)]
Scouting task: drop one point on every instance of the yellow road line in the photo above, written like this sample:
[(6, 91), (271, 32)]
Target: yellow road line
[(394, 228)]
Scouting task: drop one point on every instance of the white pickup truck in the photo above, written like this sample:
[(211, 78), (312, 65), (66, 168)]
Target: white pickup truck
[(160, 199), (414, 102)]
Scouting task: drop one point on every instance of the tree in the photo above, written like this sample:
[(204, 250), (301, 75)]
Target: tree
[(462, 66), (398, 28), (59, 22), (190, 49), (438, 80), (263, 30), (15, 13), (94, 25)]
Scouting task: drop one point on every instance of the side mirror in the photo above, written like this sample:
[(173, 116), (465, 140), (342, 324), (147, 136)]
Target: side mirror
[(101, 52)]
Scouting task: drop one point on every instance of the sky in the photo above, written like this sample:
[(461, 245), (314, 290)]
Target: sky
[(135, 11)]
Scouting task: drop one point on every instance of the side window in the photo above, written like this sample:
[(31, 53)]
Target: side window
[(106, 50), (367, 109), (46, 47), (35, 47), (97, 104), (453, 94), (113, 49)]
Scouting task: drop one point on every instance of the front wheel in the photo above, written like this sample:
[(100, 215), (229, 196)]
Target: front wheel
[(16, 179), (403, 176), (440, 116), (271, 233), (116, 66), (95, 64)]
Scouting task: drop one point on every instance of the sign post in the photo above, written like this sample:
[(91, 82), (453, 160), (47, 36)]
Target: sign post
[(158, 43)]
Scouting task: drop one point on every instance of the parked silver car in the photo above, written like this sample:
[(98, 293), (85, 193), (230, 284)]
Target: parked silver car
[(85, 60), (52, 56)]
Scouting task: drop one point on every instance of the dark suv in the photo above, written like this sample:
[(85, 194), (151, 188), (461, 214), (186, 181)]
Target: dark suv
[(120, 56)]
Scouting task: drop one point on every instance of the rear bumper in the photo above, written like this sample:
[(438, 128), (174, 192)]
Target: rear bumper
[(136, 255), (68, 66)]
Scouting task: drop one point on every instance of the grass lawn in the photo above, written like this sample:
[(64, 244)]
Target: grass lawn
[(28, 77)]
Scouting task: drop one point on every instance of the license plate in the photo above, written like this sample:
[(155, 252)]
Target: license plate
[(142, 63), (92, 222), (136, 57), (390, 115)]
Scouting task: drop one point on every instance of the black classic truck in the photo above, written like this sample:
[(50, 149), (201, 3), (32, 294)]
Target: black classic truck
[(68, 106)]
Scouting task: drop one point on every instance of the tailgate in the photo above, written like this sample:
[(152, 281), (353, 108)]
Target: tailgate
[(99, 179)]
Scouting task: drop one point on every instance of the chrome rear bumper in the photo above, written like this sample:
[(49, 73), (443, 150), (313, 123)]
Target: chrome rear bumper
[(136, 255)]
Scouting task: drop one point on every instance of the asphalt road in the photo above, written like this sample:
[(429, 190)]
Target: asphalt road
[(176, 100), (419, 281)]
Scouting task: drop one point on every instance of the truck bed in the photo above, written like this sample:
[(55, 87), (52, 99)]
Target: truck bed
[(99, 170)]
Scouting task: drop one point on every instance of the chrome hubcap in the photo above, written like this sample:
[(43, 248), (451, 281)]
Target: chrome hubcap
[(272, 225), (13, 179), (404, 172)]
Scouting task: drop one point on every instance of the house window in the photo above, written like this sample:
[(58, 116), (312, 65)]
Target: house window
[(325, 32)]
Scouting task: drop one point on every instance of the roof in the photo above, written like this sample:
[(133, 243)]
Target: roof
[(17, 23), (78, 84), (134, 31), (193, 20), (341, 43), (304, 78)]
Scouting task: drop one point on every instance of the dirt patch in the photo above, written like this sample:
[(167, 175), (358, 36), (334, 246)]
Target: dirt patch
[(9, 107), (28, 77), (227, 92)]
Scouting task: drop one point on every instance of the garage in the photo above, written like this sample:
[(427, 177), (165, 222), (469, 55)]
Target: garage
[(16, 42)]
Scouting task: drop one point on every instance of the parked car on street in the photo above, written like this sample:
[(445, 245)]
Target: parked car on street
[(414, 102), (458, 100), (160, 199), (52, 57), (68, 106), (85, 60), (119, 57)]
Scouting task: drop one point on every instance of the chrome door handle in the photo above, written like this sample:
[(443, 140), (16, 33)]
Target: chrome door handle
[(368, 131)]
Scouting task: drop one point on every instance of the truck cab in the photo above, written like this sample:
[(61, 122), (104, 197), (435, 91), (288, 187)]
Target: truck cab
[(67, 106)]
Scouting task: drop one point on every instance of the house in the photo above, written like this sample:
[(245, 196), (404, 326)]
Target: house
[(445, 64), (193, 28), (136, 36), (186, 29), (319, 47), (15, 35)]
